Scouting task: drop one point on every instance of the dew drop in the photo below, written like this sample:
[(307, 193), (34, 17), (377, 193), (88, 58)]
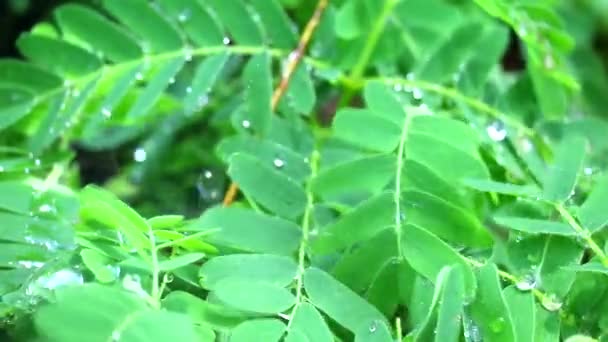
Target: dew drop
[(106, 112), (278, 163), (226, 41), (172, 80), (27, 264), (588, 171), (188, 54), (189, 90), (202, 101), (246, 124), (1, 168), (139, 76), (37, 162), (497, 325), (139, 155), (184, 15), (45, 208), (26, 170), (410, 76), (75, 93), (549, 62), (402, 216), (373, 327), (417, 94), (397, 87), (528, 283), (551, 303), (496, 131), (208, 174), (526, 145)]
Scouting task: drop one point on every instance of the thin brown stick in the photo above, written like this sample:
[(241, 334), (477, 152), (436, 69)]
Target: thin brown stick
[(294, 60)]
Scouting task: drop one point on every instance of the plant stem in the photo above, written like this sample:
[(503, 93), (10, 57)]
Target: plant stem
[(582, 232), (369, 48), (155, 269), (314, 166)]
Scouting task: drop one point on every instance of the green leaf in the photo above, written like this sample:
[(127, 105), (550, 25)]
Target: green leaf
[(443, 317), (99, 264), (300, 93), (97, 313), (157, 33), (309, 323), (273, 269), (383, 102), (165, 221), (199, 310), (522, 312), (427, 254), (103, 35), (276, 23), (366, 130), (489, 310), (200, 26), (203, 80), (593, 214), (592, 266), (564, 171), (339, 302), (249, 231), (27, 76), (58, 56), (367, 175), (179, 261), (359, 224), (254, 296), (376, 332), (238, 21), (258, 81), (455, 224), (267, 186), (535, 226), (264, 329), (294, 164)]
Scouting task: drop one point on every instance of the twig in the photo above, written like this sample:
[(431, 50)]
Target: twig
[(293, 61)]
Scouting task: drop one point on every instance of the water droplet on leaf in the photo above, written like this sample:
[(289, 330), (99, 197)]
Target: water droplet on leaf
[(551, 303), (528, 283), (496, 131), (246, 124), (106, 112), (226, 40), (184, 15), (278, 163), (139, 155)]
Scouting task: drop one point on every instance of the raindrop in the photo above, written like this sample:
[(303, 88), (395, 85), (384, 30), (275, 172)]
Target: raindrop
[(496, 131), (278, 163), (184, 15), (373, 327), (246, 124), (226, 40), (189, 90), (106, 112), (397, 87), (45, 208), (528, 283), (551, 302), (588, 171), (139, 76), (208, 174), (417, 94), (139, 155), (549, 62), (172, 80)]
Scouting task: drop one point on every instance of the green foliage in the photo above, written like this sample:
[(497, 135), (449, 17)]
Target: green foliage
[(404, 187)]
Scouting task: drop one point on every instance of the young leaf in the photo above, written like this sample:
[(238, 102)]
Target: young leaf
[(365, 129), (179, 261), (535, 226)]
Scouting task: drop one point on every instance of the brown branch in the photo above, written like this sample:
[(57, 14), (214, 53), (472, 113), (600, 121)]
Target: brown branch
[(294, 59)]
